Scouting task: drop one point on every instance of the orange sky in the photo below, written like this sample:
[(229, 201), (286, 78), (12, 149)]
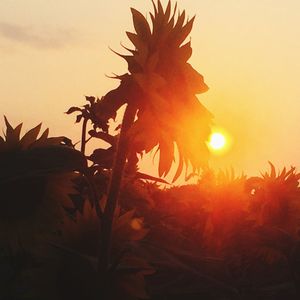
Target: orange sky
[(52, 53)]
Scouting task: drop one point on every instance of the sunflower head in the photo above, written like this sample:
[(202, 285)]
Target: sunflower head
[(36, 175), (276, 199), (162, 86), (160, 51), (169, 116)]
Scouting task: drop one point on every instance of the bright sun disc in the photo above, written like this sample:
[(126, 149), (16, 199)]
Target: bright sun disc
[(217, 141)]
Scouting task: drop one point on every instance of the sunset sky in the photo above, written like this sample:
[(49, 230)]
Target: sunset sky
[(52, 53)]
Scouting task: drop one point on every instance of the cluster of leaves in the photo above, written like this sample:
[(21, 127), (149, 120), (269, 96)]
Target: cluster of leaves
[(226, 237), (51, 206), (160, 87), (33, 171)]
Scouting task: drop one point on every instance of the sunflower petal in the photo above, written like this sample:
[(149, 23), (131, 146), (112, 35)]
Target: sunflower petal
[(141, 25), (179, 23), (43, 137), (166, 156), (12, 136), (273, 171), (185, 51), (160, 8), (184, 32), (154, 7), (180, 166), (168, 11), (30, 136)]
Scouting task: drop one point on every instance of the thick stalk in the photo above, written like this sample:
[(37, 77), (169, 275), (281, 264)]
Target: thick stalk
[(113, 192)]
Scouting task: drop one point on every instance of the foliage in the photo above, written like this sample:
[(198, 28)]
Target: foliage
[(162, 86), (34, 172), (226, 237)]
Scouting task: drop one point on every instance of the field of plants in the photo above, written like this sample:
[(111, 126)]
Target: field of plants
[(78, 225)]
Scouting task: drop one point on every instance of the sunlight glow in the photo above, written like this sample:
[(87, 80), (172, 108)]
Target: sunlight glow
[(217, 141)]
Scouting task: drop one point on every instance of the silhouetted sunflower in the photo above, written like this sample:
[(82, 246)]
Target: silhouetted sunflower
[(276, 199), (35, 179), (162, 85)]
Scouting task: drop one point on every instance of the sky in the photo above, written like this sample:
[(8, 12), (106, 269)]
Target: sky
[(52, 53)]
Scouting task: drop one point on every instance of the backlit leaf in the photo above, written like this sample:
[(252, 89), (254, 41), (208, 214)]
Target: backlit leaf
[(72, 109), (30, 136), (184, 32), (166, 149), (141, 25)]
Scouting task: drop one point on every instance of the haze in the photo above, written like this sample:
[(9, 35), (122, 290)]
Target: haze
[(52, 53)]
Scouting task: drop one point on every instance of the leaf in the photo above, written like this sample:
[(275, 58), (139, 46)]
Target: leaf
[(133, 65), (141, 25), (168, 11), (185, 52), (90, 99), (9, 129), (172, 20), (73, 109), (166, 148), (195, 80), (180, 165), (140, 175), (283, 174), (184, 32), (126, 57), (160, 8), (136, 134), (136, 41), (179, 23), (78, 118), (273, 171), (30, 137), (103, 157), (158, 18), (12, 135), (154, 7), (56, 159), (104, 136), (17, 131), (153, 21), (42, 141)]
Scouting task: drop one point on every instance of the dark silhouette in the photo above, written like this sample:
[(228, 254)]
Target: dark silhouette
[(91, 226)]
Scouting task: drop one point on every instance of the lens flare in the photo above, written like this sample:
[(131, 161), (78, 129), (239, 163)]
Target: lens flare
[(217, 141)]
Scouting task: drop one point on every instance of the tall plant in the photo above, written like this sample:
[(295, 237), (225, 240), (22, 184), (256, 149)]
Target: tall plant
[(162, 109)]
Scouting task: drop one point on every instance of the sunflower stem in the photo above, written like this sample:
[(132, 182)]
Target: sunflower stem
[(113, 192), (83, 135)]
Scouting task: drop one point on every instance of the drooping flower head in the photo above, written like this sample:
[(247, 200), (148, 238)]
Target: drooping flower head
[(163, 86), (276, 199), (36, 178)]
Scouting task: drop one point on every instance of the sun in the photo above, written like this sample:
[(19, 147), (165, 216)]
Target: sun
[(217, 141)]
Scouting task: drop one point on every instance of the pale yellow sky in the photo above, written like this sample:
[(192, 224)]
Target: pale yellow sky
[(52, 53)]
